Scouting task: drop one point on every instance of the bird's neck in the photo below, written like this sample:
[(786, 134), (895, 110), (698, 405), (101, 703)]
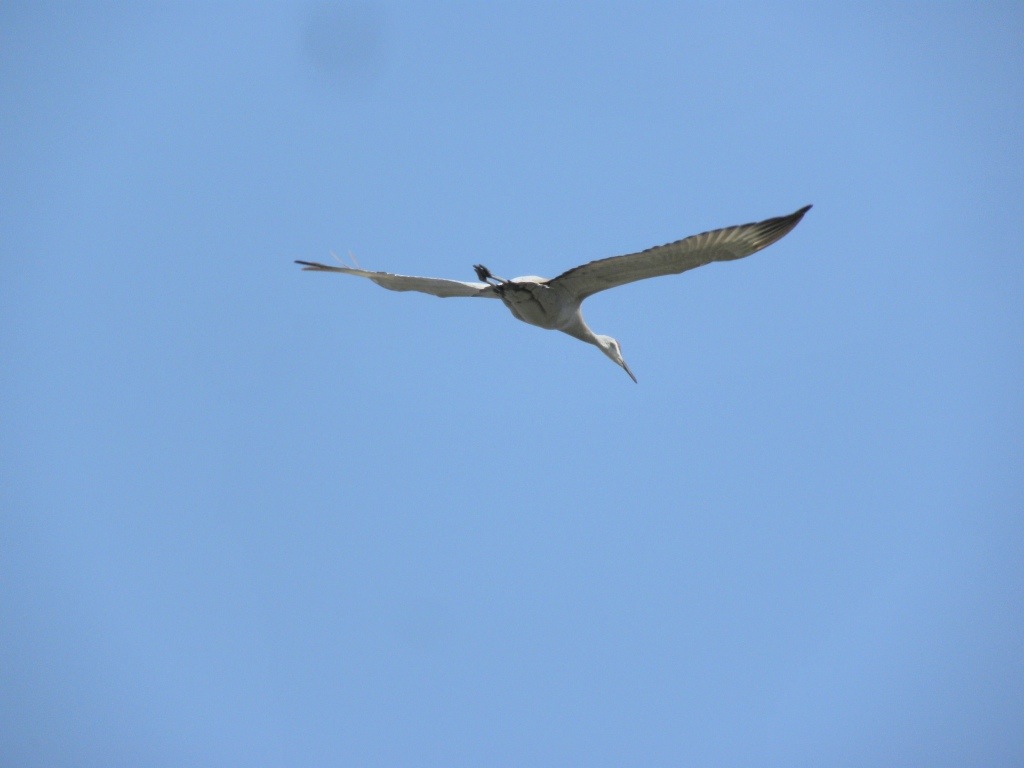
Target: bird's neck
[(578, 329)]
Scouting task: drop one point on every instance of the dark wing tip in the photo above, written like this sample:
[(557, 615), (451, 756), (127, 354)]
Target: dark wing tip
[(773, 230), (763, 233)]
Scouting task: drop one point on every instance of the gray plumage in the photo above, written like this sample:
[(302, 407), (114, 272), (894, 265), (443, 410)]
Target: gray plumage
[(555, 303)]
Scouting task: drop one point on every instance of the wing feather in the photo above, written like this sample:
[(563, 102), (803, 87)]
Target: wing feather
[(695, 251), (435, 286)]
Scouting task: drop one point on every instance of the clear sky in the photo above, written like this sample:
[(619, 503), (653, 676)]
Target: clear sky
[(253, 516)]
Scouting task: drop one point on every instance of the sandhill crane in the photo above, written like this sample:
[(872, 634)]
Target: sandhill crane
[(555, 303)]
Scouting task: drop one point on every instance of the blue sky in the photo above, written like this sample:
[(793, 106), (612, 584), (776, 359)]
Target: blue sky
[(255, 516)]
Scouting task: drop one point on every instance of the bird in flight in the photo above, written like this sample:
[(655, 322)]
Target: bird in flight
[(554, 303)]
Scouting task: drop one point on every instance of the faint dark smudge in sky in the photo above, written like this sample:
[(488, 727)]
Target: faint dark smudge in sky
[(344, 43)]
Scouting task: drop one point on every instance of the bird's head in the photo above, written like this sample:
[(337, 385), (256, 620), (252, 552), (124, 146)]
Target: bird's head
[(611, 348)]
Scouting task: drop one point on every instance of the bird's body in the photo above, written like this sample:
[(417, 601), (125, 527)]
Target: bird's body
[(554, 303), (535, 301)]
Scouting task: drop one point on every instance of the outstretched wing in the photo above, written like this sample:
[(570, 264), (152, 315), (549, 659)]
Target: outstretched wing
[(435, 286), (695, 251)]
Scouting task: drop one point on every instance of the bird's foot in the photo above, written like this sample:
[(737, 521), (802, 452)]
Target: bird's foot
[(484, 274)]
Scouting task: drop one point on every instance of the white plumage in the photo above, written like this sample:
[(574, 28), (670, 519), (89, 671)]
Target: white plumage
[(555, 303)]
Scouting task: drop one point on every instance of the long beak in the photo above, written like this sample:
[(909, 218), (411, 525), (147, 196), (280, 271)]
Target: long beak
[(626, 369)]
